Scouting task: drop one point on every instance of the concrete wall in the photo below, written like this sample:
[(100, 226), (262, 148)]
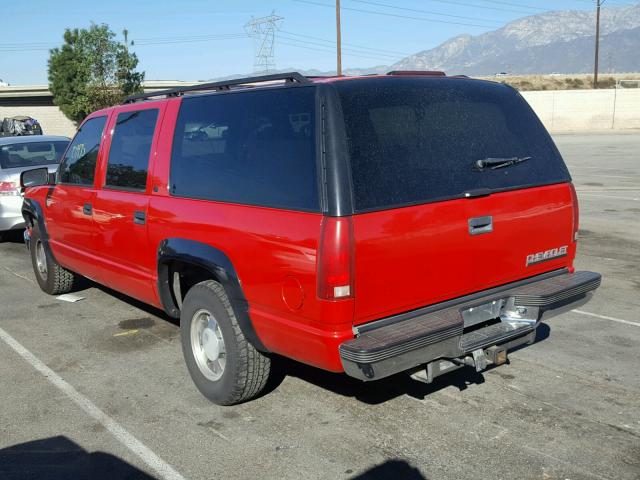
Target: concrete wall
[(559, 110), (51, 119), (587, 110)]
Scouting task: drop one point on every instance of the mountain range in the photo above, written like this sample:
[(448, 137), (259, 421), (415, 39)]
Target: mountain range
[(550, 42), (560, 41)]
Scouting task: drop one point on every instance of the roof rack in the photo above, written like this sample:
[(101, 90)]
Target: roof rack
[(428, 73), (289, 77)]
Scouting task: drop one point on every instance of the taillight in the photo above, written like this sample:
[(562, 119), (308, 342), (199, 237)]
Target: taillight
[(9, 188), (576, 212), (335, 259)]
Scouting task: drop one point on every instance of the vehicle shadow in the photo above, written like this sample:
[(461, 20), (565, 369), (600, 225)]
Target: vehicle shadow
[(372, 393), (391, 470), (156, 312), (383, 390), (58, 458)]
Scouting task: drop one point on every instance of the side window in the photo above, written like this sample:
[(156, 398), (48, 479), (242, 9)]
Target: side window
[(78, 167), (130, 147), (252, 148)]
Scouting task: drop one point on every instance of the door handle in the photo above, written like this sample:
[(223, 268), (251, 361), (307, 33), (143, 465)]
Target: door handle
[(480, 225), (139, 217), (86, 209)]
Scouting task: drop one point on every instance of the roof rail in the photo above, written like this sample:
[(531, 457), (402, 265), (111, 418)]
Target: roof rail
[(289, 77), (428, 73)]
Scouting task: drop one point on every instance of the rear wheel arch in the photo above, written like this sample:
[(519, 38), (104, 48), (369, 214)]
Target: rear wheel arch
[(194, 262)]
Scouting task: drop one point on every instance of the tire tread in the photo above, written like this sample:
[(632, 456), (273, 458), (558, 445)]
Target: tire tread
[(59, 279), (253, 368)]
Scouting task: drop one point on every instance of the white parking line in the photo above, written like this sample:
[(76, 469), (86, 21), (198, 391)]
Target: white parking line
[(619, 320), (153, 461)]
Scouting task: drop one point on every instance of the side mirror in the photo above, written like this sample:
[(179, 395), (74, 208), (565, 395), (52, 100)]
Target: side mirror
[(35, 177)]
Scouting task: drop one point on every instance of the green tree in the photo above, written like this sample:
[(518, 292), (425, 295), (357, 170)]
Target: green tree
[(92, 70)]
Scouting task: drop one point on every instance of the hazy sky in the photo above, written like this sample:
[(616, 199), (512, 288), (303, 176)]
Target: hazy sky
[(199, 39)]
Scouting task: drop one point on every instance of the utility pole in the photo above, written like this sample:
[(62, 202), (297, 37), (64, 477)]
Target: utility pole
[(595, 63), (338, 40)]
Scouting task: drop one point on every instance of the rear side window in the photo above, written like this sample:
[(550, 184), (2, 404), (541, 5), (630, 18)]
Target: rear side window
[(414, 141), (31, 154), (130, 148), (255, 148), (79, 164)]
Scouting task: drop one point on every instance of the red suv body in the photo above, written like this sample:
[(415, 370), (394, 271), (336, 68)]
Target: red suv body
[(371, 225)]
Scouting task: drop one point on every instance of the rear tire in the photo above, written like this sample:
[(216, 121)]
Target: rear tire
[(52, 278), (225, 367)]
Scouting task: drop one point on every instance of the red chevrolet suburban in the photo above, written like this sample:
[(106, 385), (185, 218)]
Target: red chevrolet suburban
[(371, 225)]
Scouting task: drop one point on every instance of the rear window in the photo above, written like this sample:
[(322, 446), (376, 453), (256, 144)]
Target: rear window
[(414, 141), (31, 154), (254, 148)]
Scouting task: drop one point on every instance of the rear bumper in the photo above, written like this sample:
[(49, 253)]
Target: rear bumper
[(404, 342)]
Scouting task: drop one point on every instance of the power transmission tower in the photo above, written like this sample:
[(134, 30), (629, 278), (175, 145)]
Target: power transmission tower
[(599, 4), (263, 32)]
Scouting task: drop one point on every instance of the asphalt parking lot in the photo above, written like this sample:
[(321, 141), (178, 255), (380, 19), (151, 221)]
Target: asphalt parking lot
[(98, 388)]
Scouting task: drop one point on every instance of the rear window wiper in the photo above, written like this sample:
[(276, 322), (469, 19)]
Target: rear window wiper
[(494, 163)]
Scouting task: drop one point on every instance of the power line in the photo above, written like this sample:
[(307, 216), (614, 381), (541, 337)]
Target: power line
[(476, 6), (192, 37), (360, 50), (292, 43), (190, 40), (406, 9), (423, 19), (346, 44), (519, 5), (355, 51)]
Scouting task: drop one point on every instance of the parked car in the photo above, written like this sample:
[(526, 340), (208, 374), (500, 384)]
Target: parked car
[(372, 225), (18, 154)]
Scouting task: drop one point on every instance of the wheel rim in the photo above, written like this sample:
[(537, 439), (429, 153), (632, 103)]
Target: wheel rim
[(41, 260), (207, 345)]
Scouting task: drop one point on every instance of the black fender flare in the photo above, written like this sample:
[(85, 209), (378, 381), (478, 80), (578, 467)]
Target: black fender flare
[(213, 260), (32, 213)]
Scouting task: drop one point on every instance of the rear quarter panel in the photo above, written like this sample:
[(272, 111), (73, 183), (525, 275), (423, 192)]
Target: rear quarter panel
[(274, 254)]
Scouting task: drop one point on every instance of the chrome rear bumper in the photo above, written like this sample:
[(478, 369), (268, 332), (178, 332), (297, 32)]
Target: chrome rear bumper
[(407, 341)]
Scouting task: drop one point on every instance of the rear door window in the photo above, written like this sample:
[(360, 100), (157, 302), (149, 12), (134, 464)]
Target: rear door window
[(78, 166), (414, 141), (254, 148), (130, 148)]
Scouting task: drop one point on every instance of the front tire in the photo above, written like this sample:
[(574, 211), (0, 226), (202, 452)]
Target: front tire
[(225, 367), (52, 278)]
